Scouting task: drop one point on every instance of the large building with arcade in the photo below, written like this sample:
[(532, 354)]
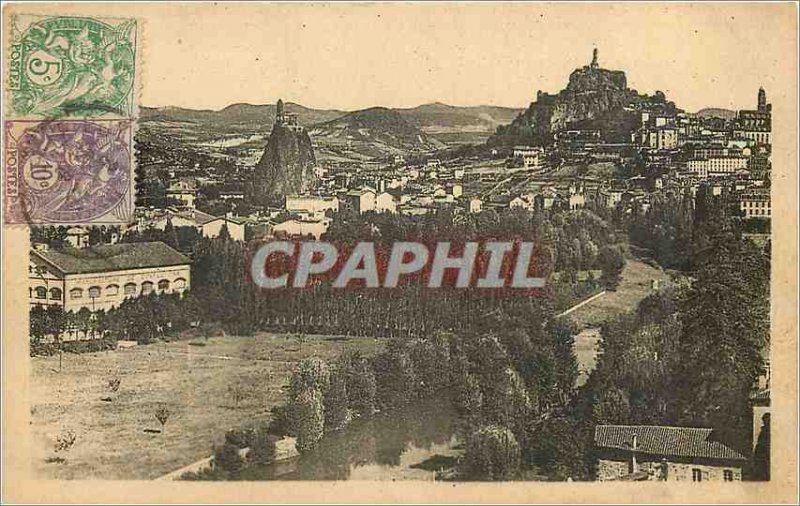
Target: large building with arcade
[(101, 277)]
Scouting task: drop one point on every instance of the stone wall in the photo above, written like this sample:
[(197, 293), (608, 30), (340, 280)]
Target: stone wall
[(613, 469)]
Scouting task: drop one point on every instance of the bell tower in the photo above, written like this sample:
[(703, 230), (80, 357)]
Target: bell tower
[(762, 100)]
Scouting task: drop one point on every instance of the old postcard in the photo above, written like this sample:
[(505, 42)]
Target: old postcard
[(400, 252)]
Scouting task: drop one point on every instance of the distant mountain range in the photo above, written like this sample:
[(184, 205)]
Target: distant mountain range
[(442, 118), (378, 131), (379, 128), (439, 123), (237, 115)]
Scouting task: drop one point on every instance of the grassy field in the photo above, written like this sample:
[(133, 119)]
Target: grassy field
[(634, 286), (207, 389)]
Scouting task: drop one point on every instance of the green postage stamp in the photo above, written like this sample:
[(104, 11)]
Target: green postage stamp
[(71, 67)]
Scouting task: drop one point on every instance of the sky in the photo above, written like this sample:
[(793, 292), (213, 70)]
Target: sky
[(353, 56)]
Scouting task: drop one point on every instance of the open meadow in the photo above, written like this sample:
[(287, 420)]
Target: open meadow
[(206, 386), (635, 285)]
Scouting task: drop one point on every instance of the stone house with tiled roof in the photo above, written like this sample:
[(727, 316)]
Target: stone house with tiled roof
[(101, 277), (647, 452)]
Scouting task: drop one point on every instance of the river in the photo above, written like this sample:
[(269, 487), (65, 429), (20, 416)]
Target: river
[(412, 445)]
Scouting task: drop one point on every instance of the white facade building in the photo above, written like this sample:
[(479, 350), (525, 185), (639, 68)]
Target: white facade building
[(101, 277)]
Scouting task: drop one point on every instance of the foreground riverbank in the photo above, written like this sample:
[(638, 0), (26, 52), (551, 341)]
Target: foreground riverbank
[(414, 444)]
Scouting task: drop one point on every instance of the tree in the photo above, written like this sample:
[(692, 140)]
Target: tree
[(38, 324), (613, 407), (281, 423), (227, 458), (360, 383), (492, 453), (611, 262), (57, 323), (761, 453), (64, 443), (95, 236), (563, 447), (469, 399), (666, 229), (725, 332), (224, 234), (493, 374), (171, 235), (555, 366), (56, 320), (312, 373), (335, 401), (634, 376), (114, 384), (308, 417), (84, 321), (162, 414), (394, 371), (430, 357)]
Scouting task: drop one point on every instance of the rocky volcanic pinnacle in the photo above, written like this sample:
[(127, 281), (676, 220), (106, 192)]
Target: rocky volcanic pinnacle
[(287, 165), (594, 98)]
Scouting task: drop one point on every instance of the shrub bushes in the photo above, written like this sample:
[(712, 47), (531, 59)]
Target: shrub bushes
[(308, 418), (312, 373), (360, 383), (227, 458), (240, 438), (281, 422), (394, 371), (262, 447), (335, 402), (492, 454), (87, 346)]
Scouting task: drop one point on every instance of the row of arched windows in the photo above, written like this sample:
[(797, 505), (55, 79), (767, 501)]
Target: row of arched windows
[(111, 290), (41, 293)]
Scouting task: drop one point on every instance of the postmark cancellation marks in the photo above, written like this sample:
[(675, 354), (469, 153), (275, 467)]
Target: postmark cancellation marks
[(71, 96), (71, 67), (68, 171)]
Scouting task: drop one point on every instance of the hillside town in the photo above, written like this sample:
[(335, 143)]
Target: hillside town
[(606, 172), (668, 150), (666, 153)]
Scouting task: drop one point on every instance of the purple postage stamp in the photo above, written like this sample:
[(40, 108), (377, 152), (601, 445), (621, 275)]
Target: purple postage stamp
[(62, 172)]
